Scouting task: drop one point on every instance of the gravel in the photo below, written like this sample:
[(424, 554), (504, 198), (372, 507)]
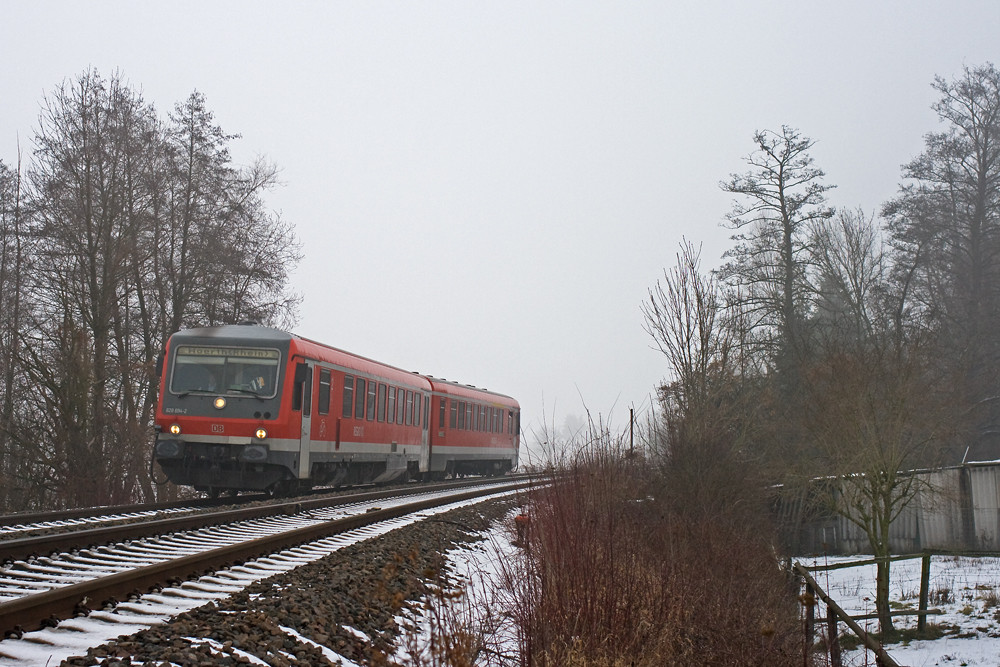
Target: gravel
[(349, 601)]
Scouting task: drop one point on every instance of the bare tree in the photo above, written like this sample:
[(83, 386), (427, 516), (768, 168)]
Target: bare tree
[(260, 249), (946, 226), (867, 406), (779, 198), (684, 316), (769, 279), (143, 228), (14, 253), (124, 230), (88, 185), (219, 254), (852, 276), (871, 415), (710, 408)]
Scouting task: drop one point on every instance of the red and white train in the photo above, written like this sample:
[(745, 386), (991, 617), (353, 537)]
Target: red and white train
[(247, 407)]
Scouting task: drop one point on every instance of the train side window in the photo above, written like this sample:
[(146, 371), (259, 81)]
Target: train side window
[(323, 406), (409, 408), (427, 411), (391, 416), (348, 396), (372, 392), (442, 409), (381, 402), (461, 415), (468, 415), (359, 399), (400, 405), (453, 421), (510, 422), (482, 418), (416, 408)]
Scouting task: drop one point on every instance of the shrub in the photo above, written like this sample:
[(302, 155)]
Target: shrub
[(620, 569)]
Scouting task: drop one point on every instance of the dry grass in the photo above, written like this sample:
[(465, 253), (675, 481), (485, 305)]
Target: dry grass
[(626, 563), (617, 570)]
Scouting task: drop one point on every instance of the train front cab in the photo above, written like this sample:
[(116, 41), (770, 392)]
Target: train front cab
[(223, 421)]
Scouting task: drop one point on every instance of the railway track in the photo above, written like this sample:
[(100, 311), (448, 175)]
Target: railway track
[(68, 519), (40, 591), (55, 519), (19, 526)]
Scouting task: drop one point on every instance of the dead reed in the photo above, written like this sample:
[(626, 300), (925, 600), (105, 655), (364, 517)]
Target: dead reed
[(621, 568)]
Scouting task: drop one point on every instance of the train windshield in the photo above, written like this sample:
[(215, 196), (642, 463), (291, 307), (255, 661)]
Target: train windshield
[(240, 370)]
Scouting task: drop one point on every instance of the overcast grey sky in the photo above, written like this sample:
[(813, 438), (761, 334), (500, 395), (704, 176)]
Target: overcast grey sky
[(486, 190)]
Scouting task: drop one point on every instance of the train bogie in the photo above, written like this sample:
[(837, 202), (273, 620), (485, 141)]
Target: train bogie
[(250, 408)]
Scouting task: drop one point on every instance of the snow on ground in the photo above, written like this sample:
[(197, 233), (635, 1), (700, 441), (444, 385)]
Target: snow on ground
[(478, 569), (966, 589), (74, 636)]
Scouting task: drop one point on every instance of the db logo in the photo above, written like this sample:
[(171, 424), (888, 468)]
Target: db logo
[(218, 428)]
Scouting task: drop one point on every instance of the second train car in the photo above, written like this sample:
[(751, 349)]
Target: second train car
[(248, 407)]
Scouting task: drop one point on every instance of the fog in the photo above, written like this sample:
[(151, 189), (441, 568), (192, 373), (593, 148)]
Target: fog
[(485, 191)]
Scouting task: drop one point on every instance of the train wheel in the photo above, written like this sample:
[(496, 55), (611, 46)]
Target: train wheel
[(280, 489)]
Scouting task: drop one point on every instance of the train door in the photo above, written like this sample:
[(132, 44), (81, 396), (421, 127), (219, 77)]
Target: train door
[(425, 435), (304, 388)]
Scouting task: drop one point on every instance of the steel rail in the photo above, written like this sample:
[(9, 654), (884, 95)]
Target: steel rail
[(110, 510), (37, 545), (34, 611)]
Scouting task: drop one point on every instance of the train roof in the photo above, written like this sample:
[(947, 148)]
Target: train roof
[(248, 330), (451, 387), (261, 334)]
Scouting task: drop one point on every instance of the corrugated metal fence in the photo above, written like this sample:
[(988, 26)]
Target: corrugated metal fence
[(954, 509)]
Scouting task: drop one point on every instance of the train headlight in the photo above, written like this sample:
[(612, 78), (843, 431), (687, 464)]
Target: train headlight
[(260, 433), (220, 402), (175, 429)]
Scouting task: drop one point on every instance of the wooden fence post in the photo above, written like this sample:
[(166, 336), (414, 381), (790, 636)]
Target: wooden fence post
[(833, 637), (881, 657), (809, 601), (925, 585)]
